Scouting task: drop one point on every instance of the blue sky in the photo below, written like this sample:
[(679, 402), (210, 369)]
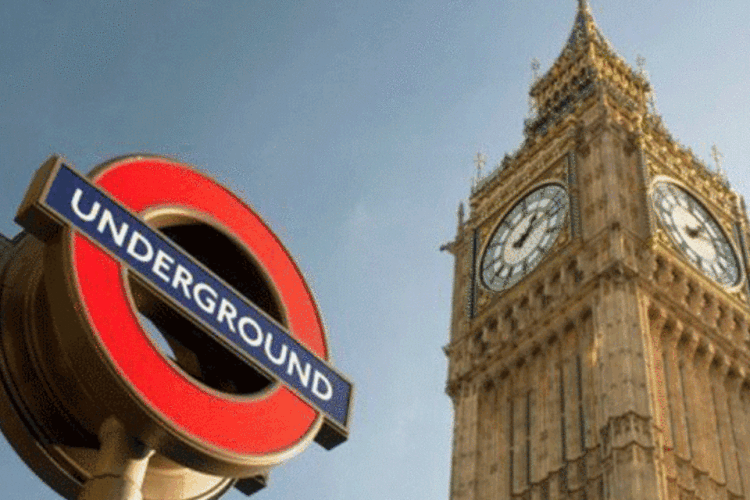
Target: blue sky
[(351, 127)]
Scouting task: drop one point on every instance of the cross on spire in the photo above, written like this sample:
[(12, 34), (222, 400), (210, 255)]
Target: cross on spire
[(640, 63), (479, 160), (534, 78), (535, 69), (717, 156)]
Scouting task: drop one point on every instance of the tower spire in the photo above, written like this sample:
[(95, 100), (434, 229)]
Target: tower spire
[(585, 29), (586, 62)]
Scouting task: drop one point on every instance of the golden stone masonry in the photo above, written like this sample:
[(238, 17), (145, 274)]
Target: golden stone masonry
[(600, 336)]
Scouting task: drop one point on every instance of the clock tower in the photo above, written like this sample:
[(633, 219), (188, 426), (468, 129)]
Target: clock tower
[(600, 344)]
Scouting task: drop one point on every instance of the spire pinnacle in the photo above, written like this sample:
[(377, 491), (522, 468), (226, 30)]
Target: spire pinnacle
[(718, 156), (584, 27), (480, 160), (587, 57)]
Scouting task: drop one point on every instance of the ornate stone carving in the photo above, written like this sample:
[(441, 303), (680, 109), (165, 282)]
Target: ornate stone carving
[(581, 348)]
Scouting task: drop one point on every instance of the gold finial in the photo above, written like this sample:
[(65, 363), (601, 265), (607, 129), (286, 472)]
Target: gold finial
[(717, 156), (535, 69), (640, 63), (583, 6), (479, 160), (534, 78)]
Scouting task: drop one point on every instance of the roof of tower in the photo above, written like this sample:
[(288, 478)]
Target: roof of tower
[(586, 58), (586, 31), (589, 72)]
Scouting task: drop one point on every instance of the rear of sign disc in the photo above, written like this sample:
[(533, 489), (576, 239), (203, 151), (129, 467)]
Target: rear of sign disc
[(34, 416)]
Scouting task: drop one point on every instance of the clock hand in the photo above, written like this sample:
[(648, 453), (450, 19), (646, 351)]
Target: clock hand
[(699, 233), (707, 247), (693, 233), (535, 223), (522, 239)]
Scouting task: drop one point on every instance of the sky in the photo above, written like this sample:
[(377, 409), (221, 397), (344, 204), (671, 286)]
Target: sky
[(351, 127)]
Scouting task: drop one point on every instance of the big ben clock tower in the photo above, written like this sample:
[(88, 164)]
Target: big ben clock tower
[(600, 344)]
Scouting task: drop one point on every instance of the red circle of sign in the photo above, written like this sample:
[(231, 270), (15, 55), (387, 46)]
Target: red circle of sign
[(269, 424)]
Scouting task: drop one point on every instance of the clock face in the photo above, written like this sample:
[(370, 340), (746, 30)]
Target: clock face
[(524, 236), (697, 234)]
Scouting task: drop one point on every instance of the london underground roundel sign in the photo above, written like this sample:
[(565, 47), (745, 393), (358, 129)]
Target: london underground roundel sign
[(101, 245)]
